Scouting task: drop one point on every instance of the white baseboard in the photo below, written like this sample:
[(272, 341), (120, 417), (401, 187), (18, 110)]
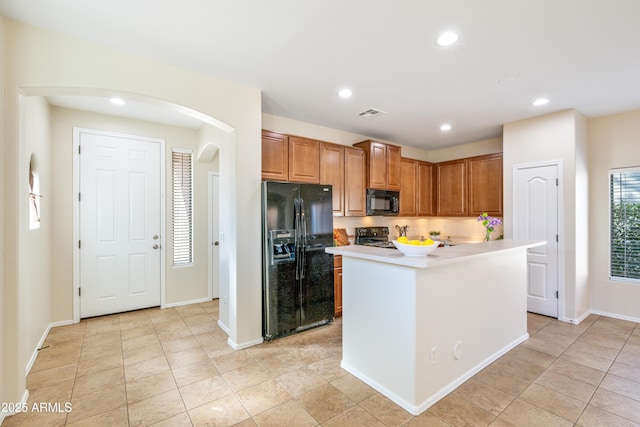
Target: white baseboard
[(181, 303), (23, 402), (579, 319), (34, 355), (616, 316), (244, 345), (224, 327), (431, 400), (233, 344)]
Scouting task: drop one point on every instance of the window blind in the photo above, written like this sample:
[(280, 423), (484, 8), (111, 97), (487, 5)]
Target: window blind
[(182, 206), (625, 223)]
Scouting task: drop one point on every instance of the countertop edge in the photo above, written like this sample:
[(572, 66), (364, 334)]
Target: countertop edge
[(440, 256)]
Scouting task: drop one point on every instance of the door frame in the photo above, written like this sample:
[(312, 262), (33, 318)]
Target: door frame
[(560, 274), (213, 216), (77, 131)]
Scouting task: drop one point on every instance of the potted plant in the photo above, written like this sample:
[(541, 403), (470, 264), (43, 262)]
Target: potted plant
[(435, 235), (490, 223)]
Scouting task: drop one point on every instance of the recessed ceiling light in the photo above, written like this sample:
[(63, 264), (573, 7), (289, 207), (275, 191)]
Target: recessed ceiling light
[(445, 127), (344, 93), (117, 101), (540, 101), (447, 39)]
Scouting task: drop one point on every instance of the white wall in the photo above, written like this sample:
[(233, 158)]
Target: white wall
[(613, 143), (36, 246), (555, 137), (212, 139), (39, 62), (478, 148), (582, 213), (4, 395)]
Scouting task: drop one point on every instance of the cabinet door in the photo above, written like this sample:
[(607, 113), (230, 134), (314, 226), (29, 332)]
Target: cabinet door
[(275, 156), (408, 172), (451, 181), (354, 182), (393, 168), (304, 160), (426, 199), (377, 166), (332, 172), (485, 185), (337, 284)]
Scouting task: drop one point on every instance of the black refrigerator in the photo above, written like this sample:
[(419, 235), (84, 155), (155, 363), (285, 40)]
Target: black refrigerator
[(297, 274)]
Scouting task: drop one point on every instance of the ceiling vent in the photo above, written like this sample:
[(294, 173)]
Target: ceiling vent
[(371, 112)]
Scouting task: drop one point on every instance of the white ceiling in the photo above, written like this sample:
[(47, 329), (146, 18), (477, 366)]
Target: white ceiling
[(132, 109), (582, 54)]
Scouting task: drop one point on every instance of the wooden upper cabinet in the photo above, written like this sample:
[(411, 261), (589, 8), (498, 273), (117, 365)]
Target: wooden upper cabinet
[(383, 165), (451, 184), (485, 185), (393, 167), (426, 195), (275, 156), (304, 160), (377, 166), (408, 181), (355, 165), (332, 172)]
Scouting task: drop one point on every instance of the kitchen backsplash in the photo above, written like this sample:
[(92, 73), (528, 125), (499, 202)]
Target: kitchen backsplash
[(458, 230)]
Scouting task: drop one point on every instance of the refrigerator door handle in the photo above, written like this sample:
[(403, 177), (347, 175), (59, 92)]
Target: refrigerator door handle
[(296, 208), (304, 238)]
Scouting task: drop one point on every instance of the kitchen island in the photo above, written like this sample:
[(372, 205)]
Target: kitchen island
[(415, 328)]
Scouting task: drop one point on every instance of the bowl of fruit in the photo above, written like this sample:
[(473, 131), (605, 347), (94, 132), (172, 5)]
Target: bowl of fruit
[(415, 247)]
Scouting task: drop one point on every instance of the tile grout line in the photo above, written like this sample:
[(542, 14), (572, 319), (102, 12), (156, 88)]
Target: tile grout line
[(605, 375)]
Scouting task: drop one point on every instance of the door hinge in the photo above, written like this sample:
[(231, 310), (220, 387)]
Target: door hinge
[(79, 150), (79, 197), (557, 295), (79, 292), (556, 182), (79, 244), (556, 237)]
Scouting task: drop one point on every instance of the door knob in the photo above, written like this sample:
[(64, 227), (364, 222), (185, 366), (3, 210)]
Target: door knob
[(155, 246), (155, 237), (216, 243)]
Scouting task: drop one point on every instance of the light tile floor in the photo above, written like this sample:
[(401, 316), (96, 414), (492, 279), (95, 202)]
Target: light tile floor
[(173, 367)]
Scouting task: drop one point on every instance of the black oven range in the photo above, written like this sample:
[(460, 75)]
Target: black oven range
[(373, 236)]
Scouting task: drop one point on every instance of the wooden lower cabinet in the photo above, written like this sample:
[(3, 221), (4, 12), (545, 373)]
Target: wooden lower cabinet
[(337, 284)]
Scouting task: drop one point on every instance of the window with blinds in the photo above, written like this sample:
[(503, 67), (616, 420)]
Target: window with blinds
[(182, 206), (625, 223)]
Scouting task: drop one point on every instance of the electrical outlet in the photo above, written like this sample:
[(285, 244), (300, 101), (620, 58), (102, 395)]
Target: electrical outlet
[(434, 355)]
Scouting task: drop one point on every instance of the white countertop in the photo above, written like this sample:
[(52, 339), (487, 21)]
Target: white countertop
[(440, 256)]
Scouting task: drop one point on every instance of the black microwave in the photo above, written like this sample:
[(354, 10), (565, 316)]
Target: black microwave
[(383, 202)]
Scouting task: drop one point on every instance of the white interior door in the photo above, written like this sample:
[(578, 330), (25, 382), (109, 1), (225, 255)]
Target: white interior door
[(536, 218), (214, 232), (120, 223)]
